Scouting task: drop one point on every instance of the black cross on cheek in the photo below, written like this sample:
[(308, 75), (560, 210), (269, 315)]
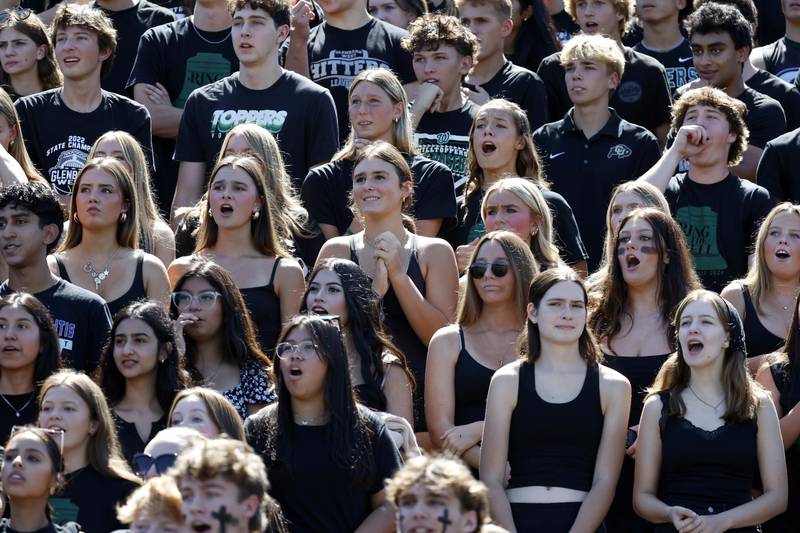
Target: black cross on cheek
[(224, 518), (445, 520)]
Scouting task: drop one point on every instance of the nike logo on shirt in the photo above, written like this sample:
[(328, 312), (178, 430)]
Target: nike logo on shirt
[(684, 59), (553, 156)]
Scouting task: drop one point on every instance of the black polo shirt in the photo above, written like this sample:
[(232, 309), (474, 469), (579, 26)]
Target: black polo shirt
[(585, 171), (524, 88), (678, 63), (643, 96), (778, 167), (785, 93)]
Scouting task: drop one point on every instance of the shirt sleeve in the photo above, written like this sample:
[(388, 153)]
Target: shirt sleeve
[(766, 122), (316, 195), (649, 154), (769, 173), (387, 457), (144, 134), (323, 132), (189, 145), (567, 235), (100, 322), (434, 195), (29, 137), (661, 99), (149, 65), (759, 204), (535, 103), (552, 74)]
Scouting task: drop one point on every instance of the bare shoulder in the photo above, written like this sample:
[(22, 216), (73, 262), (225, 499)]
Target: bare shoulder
[(733, 293), (446, 342), (338, 247), (433, 246)]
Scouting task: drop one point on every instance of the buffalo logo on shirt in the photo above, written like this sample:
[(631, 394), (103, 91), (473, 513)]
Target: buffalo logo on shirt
[(223, 121), (620, 151), (341, 66), (63, 174), (629, 92)]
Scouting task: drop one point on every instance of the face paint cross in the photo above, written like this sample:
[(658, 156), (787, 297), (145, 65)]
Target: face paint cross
[(224, 518), (445, 520)]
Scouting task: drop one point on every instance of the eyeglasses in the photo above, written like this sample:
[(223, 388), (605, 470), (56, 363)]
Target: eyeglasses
[(20, 13), (304, 349), (56, 435), (184, 299), (478, 269), (142, 463)]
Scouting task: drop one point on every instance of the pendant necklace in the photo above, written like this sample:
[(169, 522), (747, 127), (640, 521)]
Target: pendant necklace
[(714, 407), (17, 412), (313, 421), (101, 276)]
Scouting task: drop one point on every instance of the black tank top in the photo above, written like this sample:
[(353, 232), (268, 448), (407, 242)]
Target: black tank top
[(706, 471), (471, 383), (265, 310), (555, 444), (641, 372), (135, 292), (758, 339), (403, 334)]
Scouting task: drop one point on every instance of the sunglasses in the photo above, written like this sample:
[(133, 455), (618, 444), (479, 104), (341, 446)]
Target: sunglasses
[(184, 299), (56, 435), (20, 13), (498, 268), (142, 463)]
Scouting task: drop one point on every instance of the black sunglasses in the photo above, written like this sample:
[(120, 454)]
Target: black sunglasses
[(21, 13), (478, 270), (142, 463)]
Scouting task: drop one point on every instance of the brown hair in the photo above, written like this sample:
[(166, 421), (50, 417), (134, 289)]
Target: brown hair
[(595, 48), (530, 346), (279, 11), (430, 31), (46, 68), (221, 412), (103, 451), (386, 152), (502, 8), (625, 8), (262, 229), (158, 497), (17, 147), (734, 110), (89, 18), (127, 225), (523, 267), (740, 390)]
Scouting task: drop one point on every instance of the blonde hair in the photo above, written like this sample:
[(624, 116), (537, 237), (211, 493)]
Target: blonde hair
[(625, 8), (158, 497), (291, 218), (541, 244), (16, 148), (403, 132), (146, 208), (127, 225), (759, 279), (102, 449), (594, 48)]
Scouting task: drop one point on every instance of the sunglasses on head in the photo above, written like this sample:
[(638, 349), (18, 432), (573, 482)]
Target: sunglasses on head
[(20, 13), (478, 270), (56, 435), (142, 463)]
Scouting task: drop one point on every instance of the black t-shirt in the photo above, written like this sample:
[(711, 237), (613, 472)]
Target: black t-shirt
[(524, 88), (642, 98), (176, 6), (318, 494), (785, 93), (130, 24), (181, 58), (336, 56), (299, 113), (572, 164), (91, 499), (81, 319), (778, 167), (59, 139), (444, 137), (782, 58), (765, 118), (69, 527), (678, 63), (720, 222), (326, 192), (566, 234)]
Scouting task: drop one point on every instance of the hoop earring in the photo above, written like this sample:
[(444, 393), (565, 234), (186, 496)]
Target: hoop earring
[(123, 217)]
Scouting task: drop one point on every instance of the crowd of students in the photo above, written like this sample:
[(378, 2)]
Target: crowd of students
[(395, 265)]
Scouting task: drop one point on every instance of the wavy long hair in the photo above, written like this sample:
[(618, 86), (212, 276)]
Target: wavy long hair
[(676, 277), (522, 266), (46, 68), (741, 401), (171, 377), (16, 147), (369, 335)]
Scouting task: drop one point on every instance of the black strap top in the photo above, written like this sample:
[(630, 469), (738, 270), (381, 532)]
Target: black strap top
[(137, 290), (471, 383), (706, 471), (265, 310), (555, 444), (641, 372), (403, 334), (758, 339)]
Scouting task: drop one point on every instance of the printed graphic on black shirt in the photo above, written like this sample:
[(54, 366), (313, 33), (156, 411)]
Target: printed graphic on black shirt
[(223, 121), (677, 62), (450, 150), (342, 66), (72, 155), (700, 225), (202, 69)]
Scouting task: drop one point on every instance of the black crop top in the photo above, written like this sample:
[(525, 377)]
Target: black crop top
[(471, 384), (555, 444), (758, 339), (136, 291), (706, 471)]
